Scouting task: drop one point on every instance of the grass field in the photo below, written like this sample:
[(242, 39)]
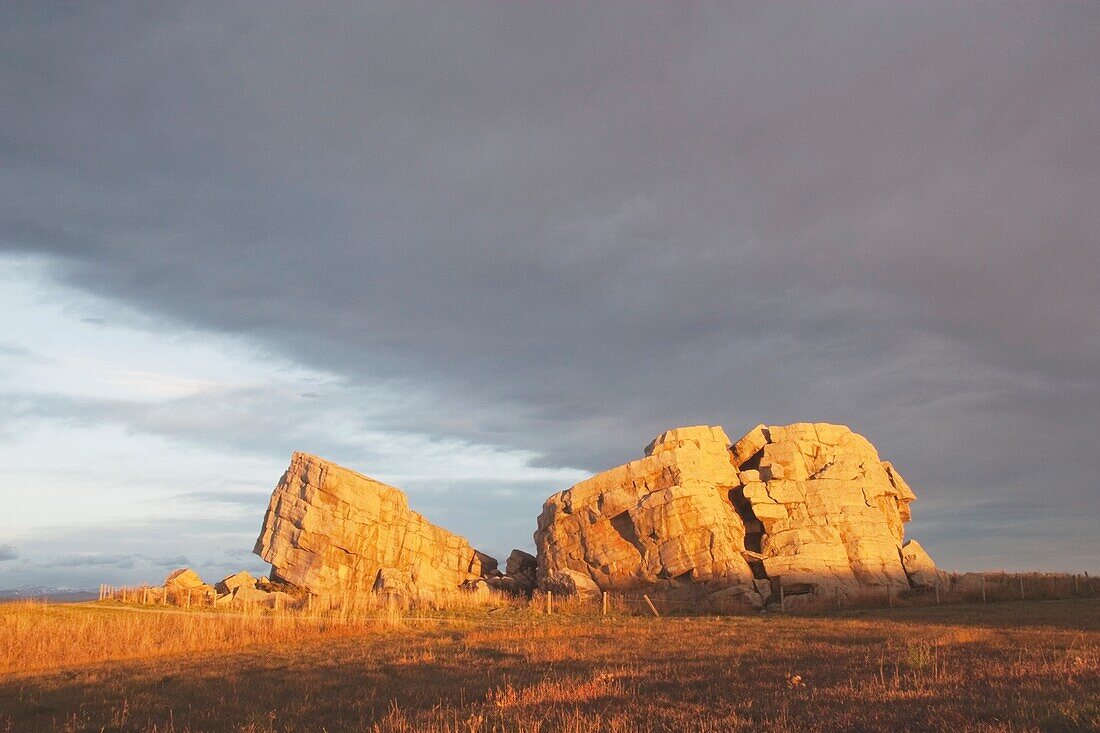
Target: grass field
[(1023, 666)]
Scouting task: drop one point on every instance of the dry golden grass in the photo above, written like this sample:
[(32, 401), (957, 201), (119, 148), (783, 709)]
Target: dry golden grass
[(35, 637), (1024, 666)]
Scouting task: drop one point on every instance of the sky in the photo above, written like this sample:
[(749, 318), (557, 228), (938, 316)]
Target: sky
[(481, 251)]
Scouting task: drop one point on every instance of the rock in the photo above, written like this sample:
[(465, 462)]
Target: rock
[(571, 583), (394, 581), (520, 562), (479, 587), (184, 579), (522, 568), (830, 511), (810, 506), (329, 530), (918, 565), (745, 450), (663, 523), (236, 580), (508, 584), (247, 595)]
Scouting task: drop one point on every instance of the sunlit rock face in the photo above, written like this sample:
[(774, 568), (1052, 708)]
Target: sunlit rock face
[(331, 530), (821, 506), (663, 523), (801, 505), (919, 567)]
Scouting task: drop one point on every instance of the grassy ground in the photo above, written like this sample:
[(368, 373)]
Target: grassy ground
[(999, 667)]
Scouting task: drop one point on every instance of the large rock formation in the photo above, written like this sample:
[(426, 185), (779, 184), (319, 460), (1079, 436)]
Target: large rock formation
[(811, 506), (330, 530), (664, 522), (828, 511)]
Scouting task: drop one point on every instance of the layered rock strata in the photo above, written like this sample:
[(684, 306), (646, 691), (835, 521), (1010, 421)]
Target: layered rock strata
[(330, 530), (808, 506), (821, 506), (664, 522)]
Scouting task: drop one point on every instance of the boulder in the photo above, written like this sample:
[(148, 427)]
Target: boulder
[(331, 530), (508, 584), (478, 588), (663, 523), (918, 565), (571, 583), (236, 580), (522, 569), (247, 594), (184, 579), (810, 506), (826, 510)]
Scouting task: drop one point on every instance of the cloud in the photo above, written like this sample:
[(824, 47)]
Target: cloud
[(562, 230), (7, 552), (126, 561), (238, 498), (85, 559)]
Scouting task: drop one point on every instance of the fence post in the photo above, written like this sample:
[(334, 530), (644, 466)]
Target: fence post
[(144, 596), (1075, 584), (1021, 577), (650, 604), (189, 598), (549, 602), (983, 588), (782, 598), (604, 603)]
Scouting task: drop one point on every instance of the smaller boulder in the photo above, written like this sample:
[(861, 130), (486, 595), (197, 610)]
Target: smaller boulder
[(234, 581), (183, 579), (520, 562), (506, 584), (247, 595), (478, 588), (522, 568), (918, 565), (571, 583)]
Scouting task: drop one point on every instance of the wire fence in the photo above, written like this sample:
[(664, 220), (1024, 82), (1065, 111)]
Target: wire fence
[(657, 602)]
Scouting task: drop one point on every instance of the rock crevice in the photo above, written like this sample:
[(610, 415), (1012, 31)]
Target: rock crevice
[(808, 505)]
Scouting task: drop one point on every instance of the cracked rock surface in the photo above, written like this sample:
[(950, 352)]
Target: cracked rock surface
[(663, 522), (805, 505), (328, 530), (831, 512)]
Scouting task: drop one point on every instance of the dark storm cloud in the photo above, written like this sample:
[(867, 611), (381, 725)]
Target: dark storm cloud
[(566, 228)]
